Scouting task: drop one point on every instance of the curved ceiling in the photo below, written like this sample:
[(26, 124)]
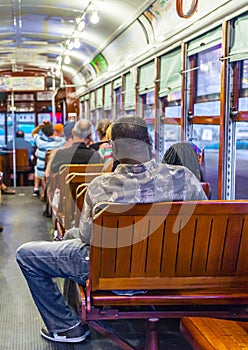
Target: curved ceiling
[(37, 34), (40, 35)]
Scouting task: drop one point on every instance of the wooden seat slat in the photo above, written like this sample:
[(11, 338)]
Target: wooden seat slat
[(124, 253), (242, 264), (154, 252), (215, 334)]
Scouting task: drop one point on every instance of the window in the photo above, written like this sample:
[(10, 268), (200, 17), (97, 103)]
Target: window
[(209, 74)]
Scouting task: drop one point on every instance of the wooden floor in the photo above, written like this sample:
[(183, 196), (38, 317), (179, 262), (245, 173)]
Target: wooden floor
[(22, 219)]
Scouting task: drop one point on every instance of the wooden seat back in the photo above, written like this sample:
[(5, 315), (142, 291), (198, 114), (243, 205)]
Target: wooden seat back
[(73, 197), (22, 163), (22, 160), (165, 246), (67, 180)]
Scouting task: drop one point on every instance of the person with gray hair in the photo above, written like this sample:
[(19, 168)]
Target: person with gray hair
[(78, 152), (82, 129)]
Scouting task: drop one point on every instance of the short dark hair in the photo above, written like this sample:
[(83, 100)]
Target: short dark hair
[(19, 133), (47, 129), (131, 127)]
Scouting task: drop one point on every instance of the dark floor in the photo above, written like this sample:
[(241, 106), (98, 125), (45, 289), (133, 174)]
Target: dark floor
[(21, 217)]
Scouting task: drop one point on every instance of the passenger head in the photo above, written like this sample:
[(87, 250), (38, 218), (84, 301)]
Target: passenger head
[(131, 142), (182, 153), (20, 134), (58, 130), (47, 128), (68, 130), (82, 129), (102, 127), (109, 132)]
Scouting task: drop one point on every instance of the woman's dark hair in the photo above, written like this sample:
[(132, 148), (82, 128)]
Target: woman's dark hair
[(182, 153)]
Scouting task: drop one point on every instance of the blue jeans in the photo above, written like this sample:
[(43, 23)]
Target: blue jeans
[(40, 263)]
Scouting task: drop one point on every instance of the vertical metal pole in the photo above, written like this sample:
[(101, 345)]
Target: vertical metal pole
[(226, 157), (64, 112), (13, 135), (53, 102)]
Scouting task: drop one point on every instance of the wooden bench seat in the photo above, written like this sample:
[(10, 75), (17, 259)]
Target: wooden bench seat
[(66, 181), (214, 334), (190, 257)]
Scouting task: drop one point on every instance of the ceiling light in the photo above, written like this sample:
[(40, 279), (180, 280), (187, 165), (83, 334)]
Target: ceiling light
[(94, 18), (67, 60), (70, 45), (77, 43), (81, 26), (78, 19)]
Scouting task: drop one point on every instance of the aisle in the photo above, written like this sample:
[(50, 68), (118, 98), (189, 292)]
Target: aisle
[(21, 217)]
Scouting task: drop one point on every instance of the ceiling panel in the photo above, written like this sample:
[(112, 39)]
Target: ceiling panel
[(36, 33)]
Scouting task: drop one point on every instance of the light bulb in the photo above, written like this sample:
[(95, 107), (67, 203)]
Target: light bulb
[(94, 18), (76, 43), (70, 45), (67, 60), (81, 26)]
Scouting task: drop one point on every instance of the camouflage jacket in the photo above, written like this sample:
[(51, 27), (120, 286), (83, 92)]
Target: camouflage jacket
[(143, 183)]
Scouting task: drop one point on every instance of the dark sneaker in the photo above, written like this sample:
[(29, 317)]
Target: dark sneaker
[(8, 191), (73, 335), (36, 193), (47, 214)]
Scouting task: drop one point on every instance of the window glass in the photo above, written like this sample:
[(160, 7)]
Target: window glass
[(129, 94), (209, 73), (118, 100), (130, 112), (2, 129), (108, 114), (243, 99), (241, 182), (171, 134), (245, 75), (148, 100), (243, 104), (173, 105), (206, 137), (210, 108)]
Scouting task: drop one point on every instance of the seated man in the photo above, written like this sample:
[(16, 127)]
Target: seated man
[(21, 143), (78, 152), (137, 179)]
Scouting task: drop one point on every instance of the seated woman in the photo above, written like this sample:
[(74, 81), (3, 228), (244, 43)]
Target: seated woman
[(182, 153)]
